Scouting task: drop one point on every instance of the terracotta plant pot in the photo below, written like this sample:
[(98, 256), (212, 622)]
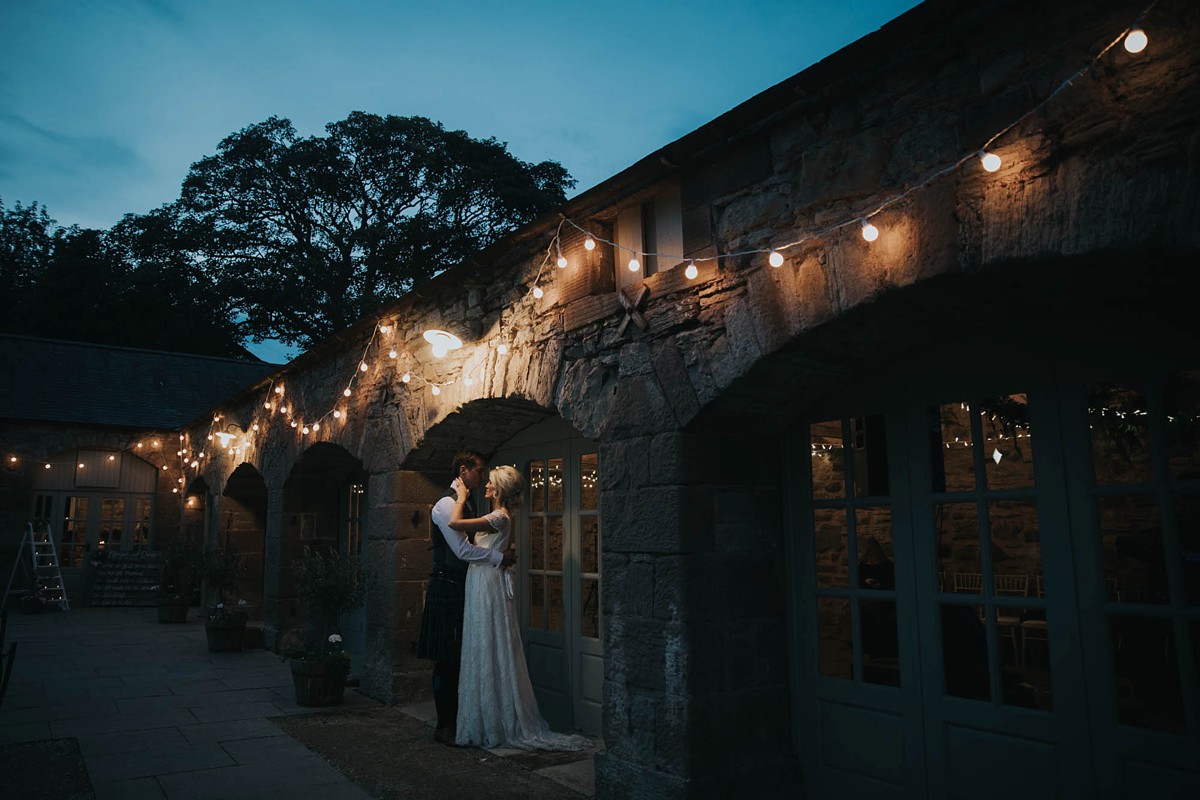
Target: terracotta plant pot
[(225, 634), (172, 611), (318, 682)]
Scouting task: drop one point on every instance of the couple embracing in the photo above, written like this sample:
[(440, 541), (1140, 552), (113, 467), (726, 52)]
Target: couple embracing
[(470, 629)]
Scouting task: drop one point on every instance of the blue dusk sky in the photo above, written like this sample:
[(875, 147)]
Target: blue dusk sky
[(104, 104)]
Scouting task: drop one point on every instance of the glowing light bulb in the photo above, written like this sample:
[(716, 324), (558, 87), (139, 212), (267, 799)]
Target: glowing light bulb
[(254, 427), (48, 466), (164, 467), (991, 161), (691, 272), (279, 389), (406, 377), (267, 405), (384, 329), (195, 464), (173, 491), (392, 353), (293, 423), (210, 437), (442, 342), (436, 390), (775, 259), (363, 366), (634, 265), (178, 452), (155, 442), (306, 430), (346, 391), (1136, 40), (869, 231), (589, 243), (537, 292), (562, 262), (337, 414), (502, 349), (283, 409), (316, 426)]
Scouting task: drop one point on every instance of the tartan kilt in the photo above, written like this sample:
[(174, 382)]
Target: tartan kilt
[(442, 623)]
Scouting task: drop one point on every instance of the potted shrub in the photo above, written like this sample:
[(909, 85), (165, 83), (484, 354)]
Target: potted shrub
[(327, 585), (225, 623)]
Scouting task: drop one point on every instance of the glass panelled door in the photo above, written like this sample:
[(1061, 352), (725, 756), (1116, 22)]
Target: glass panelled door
[(1029, 627), (558, 551)]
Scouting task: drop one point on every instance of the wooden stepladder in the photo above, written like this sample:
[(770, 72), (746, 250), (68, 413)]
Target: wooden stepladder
[(46, 578)]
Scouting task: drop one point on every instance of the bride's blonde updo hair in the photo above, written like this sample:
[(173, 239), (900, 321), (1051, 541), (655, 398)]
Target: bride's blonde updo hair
[(508, 485)]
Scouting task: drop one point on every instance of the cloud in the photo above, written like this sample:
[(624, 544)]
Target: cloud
[(61, 151)]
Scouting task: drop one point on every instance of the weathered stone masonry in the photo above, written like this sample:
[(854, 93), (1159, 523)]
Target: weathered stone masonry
[(691, 413)]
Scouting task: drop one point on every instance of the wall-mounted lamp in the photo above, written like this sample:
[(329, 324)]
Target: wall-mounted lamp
[(442, 342)]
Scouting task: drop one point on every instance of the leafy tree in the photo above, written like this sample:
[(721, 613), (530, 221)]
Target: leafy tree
[(133, 285), (306, 235)]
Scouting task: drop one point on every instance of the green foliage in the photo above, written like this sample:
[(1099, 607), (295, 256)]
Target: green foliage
[(328, 584), (309, 234), (222, 567)]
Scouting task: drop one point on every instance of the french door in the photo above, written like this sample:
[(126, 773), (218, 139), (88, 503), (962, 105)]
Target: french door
[(558, 593), (998, 585)]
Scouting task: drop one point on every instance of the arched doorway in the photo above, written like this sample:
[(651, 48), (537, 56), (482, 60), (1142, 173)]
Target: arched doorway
[(559, 545), (243, 526), (324, 508)]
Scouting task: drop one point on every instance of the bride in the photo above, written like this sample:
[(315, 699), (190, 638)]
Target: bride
[(496, 705)]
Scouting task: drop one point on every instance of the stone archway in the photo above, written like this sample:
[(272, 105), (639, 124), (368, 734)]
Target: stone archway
[(242, 525)]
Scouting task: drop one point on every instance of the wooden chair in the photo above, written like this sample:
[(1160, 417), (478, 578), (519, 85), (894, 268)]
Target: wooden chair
[(1034, 630), (1007, 623), (969, 582)]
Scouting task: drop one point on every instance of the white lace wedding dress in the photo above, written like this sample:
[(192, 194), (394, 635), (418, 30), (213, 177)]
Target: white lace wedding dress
[(496, 706)]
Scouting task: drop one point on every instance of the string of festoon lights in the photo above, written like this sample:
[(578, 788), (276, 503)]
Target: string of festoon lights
[(276, 404)]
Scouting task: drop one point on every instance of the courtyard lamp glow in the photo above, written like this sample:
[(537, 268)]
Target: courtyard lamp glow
[(442, 342), (869, 231), (1136, 40), (991, 161)]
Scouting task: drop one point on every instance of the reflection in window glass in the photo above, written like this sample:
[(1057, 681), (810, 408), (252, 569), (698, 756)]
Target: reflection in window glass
[(554, 485), (1187, 520), (537, 486), (1131, 532), (537, 543), (112, 522), (873, 534), (880, 644), (828, 463), (1148, 690), (1181, 400), (952, 457), (868, 438), (1016, 545), (1035, 658), (589, 482), (835, 646), (1120, 434), (554, 543), (964, 652), (830, 542), (959, 567), (554, 604), (1007, 442), (141, 525), (590, 540), (74, 534), (589, 608)]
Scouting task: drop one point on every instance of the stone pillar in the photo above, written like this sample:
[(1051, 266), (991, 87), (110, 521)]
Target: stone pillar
[(696, 670), (400, 556), (272, 566)]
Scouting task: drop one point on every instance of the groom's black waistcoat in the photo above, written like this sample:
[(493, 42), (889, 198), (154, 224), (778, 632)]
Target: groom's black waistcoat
[(444, 560)]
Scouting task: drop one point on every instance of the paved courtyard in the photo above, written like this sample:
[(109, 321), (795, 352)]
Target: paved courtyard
[(156, 715)]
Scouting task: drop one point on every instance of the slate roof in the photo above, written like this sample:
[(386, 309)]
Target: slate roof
[(74, 382)]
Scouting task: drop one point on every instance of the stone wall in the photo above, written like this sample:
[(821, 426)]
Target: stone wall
[(692, 412)]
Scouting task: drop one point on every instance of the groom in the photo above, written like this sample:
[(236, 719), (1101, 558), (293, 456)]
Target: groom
[(441, 627)]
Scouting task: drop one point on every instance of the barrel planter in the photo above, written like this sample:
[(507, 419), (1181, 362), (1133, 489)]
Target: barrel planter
[(319, 682)]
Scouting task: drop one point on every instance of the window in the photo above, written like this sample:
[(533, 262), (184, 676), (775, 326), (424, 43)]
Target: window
[(651, 231)]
